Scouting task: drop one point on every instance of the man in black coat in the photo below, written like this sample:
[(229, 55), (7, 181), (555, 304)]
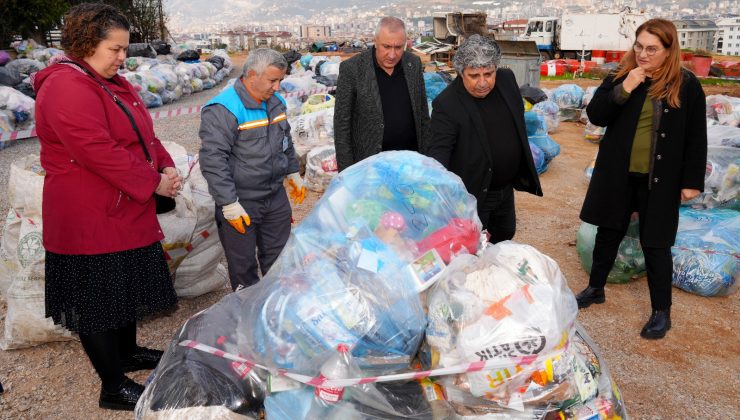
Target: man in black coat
[(381, 103), (478, 133)]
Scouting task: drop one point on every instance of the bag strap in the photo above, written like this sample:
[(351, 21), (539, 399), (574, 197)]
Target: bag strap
[(120, 104)]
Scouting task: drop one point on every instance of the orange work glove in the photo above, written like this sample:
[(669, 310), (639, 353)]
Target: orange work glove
[(297, 191), (235, 214)]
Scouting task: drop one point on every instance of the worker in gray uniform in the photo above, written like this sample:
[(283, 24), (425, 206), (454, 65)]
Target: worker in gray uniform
[(246, 154)]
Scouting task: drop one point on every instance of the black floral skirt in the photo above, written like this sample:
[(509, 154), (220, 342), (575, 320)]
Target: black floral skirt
[(89, 294)]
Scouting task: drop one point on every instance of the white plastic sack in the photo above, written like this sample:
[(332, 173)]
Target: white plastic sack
[(321, 167)]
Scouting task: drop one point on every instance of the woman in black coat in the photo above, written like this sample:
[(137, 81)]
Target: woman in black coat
[(652, 157)]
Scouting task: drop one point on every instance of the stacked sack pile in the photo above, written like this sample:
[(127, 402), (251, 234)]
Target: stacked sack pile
[(706, 254), (381, 277), (16, 95), (191, 245), (164, 79), (541, 117), (307, 90)]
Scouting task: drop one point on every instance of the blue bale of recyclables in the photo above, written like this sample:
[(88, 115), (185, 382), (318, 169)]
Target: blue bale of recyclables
[(706, 254)]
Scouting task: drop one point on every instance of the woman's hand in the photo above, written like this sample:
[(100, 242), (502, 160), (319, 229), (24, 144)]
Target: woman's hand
[(688, 194), (173, 174), (635, 77), (169, 183)]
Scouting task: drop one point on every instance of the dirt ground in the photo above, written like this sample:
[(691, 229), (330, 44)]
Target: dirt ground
[(692, 373)]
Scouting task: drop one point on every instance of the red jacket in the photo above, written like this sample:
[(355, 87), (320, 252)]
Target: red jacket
[(99, 189)]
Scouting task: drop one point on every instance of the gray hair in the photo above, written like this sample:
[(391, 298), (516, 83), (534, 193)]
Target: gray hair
[(261, 58), (393, 24), (475, 52)]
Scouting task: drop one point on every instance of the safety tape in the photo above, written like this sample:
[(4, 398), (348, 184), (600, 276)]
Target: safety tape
[(158, 115), (489, 364), (325, 89)]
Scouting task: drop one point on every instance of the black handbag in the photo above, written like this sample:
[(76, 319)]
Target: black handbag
[(164, 204)]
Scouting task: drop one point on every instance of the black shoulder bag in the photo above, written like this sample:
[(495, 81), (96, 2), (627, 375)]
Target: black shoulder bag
[(164, 204)]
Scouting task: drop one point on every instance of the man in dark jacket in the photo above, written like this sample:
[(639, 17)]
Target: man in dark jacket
[(246, 154), (381, 103), (478, 132)]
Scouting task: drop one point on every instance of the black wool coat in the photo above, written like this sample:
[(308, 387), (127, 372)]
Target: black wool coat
[(678, 157), (460, 143)]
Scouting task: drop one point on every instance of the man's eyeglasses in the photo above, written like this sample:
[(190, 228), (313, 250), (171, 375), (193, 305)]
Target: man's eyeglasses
[(651, 50)]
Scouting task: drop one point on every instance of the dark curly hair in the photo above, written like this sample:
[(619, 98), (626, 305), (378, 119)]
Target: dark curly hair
[(86, 24)]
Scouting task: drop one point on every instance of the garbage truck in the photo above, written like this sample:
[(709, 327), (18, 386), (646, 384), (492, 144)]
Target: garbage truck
[(577, 35)]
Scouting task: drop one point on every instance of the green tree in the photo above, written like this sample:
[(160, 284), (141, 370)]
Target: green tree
[(29, 19)]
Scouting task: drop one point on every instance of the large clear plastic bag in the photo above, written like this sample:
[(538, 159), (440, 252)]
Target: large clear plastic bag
[(321, 167), (725, 109), (630, 260), (512, 304), (350, 274), (722, 135), (569, 98), (722, 179), (537, 134), (550, 110), (706, 254)]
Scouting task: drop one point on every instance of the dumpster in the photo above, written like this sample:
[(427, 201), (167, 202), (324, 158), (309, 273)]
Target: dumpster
[(523, 58)]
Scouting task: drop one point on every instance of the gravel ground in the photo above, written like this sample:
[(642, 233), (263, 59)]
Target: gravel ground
[(692, 373)]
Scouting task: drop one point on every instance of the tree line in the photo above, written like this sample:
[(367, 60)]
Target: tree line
[(33, 19)]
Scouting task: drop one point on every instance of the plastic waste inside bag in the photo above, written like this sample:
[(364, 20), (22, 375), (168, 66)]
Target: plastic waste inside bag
[(706, 254), (551, 112), (537, 134), (630, 261), (721, 180), (321, 167), (721, 135), (725, 109), (351, 273), (511, 303), (391, 400)]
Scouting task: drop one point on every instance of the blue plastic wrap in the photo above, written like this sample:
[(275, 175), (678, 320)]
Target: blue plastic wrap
[(535, 123), (706, 255), (568, 96), (547, 145), (434, 84), (539, 158)]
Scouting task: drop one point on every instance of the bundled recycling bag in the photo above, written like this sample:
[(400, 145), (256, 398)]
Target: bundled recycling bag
[(630, 260), (722, 178), (351, 274), (512, 306), (706, 254), (569, 97)]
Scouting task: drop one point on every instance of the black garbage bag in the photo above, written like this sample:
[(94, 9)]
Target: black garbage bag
[(195, 379), (26, 89), (329, 80), (188, 55), (141, 50), (292, 56), (532, 94), (9, 76), (217, 61), (161, 47), (317, 67)]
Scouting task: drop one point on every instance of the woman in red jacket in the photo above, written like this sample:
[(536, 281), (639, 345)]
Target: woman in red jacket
[(105, 267)]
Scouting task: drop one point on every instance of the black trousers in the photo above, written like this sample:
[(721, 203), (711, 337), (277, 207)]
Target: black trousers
[(263, 241), (498, 215), (658, 261)]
